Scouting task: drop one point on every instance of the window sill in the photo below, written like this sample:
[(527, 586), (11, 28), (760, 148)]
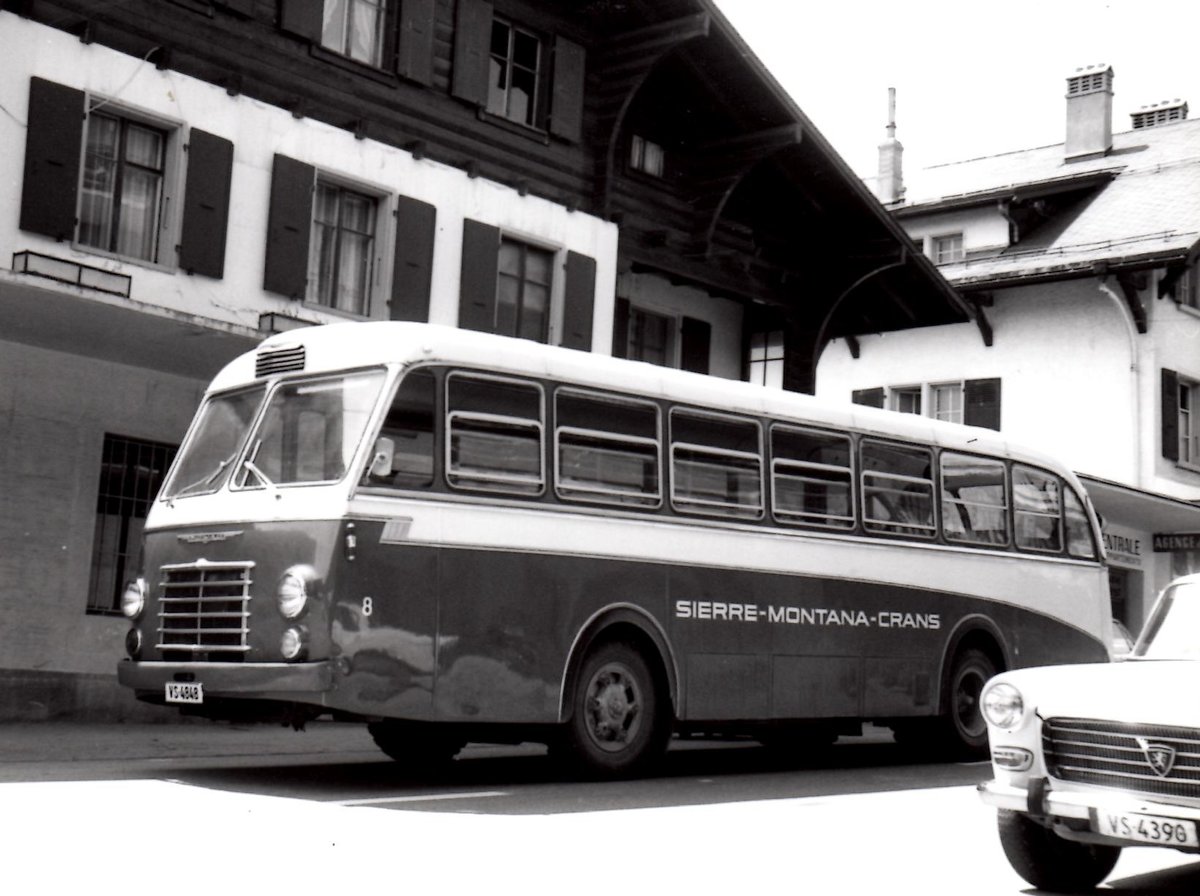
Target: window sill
[(354, 67), (515, 127)]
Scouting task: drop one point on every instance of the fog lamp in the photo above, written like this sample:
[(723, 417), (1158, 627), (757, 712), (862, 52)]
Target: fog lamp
[(133, 599), (294, 643), (1012, 759), (292, 592), (133, 643), (1003, 705)]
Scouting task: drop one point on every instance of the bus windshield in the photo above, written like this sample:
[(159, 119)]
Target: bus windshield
[(307, 433)]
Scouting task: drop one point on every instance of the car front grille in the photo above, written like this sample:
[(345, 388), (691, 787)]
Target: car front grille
[(1151, 759), (204, 611)]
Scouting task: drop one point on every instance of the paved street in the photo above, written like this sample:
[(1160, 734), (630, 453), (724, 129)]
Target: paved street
[(199, 808)]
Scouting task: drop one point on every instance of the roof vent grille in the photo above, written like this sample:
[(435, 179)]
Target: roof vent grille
[(1159, 113), (1091, 79), (283, 360)]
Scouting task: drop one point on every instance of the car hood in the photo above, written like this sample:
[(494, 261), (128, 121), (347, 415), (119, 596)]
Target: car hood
[(1147, 691)]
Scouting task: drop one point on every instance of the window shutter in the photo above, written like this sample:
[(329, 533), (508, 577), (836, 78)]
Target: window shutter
[(579, 300), (302, 18), (52, 156), (415, 57), (695, 339), (566, 104), (620, 346), (872, 398), (289, 224), (1170, 414), (412, 272), (480, 263), (472, 37), (206, 204), (981, 403)]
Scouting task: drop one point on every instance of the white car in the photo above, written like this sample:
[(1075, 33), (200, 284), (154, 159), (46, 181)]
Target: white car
[(1089, 759)]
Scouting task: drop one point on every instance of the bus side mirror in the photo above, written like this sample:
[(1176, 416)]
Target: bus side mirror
[(381, 460)]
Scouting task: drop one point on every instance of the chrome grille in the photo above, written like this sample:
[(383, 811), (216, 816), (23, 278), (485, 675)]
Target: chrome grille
[(1116, 754), (283, 360), (204, 610)]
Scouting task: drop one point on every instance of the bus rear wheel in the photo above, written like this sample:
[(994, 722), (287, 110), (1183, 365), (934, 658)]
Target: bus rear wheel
[(617, 726), (965, 730)]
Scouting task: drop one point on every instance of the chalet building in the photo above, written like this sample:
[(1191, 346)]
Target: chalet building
[(185, 176), (1080, 260)]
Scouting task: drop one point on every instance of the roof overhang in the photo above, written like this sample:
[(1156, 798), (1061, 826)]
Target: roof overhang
[(1054, 186), (1141, 509)]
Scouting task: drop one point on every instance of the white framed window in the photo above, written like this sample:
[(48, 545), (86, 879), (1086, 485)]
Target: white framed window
[(646, 156), (946, 402), (905, 399), (342, 257), (653, 337), (946, 249), (1189, 422), (1187, 288), (515, 73), (524, 290), (766, 359), (129, 175), (355, 29)]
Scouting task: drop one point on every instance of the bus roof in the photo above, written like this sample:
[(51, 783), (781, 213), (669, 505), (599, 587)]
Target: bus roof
[(364, 344)]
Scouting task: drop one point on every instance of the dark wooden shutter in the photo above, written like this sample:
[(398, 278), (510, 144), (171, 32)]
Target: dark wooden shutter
[(1170, 414), (872, 398), (302, 18), (415, 51), (206, 204), (566, 103), (480, 263), (52, 156), (472, 38), (579, 300), (981, 403), (695, 340), (289, 222), (412, 272), (620, 346)]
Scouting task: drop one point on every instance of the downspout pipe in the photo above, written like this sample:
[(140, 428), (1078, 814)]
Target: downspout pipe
[(1135, 376)]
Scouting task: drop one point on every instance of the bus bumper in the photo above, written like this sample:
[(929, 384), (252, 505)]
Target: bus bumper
[(263, 680)]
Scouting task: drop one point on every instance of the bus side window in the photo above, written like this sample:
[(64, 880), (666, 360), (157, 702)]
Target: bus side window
[(716, 464), (1079, 530), (974, 507), (408, 430), (1037, 509), (494, 429), (812, 479), (606, 449), (897, 489)]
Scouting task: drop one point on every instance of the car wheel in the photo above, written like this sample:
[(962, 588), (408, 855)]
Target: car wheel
[(617, 725), (1049, 862)]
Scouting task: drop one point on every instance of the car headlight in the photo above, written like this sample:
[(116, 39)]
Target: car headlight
[(133, 599), (1003, 705), (292, 592)]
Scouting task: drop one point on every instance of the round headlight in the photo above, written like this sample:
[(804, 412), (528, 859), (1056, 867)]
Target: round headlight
[(133, 599), (133, 643), (293, 644), (1003, 705), (292, 593)]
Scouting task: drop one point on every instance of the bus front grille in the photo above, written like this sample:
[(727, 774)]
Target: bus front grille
[(1150, 759), (204, 611)]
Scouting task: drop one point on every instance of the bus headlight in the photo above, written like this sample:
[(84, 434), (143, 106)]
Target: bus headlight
[(133, 599), (1003, 705), (294, 643), (133, 644), (292, 592)]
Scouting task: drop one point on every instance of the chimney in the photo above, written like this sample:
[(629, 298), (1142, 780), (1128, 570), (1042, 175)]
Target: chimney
[(1159, 113), (889, 186), (1089, 112)]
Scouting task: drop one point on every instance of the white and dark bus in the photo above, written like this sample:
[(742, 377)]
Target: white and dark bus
[(456, 537)]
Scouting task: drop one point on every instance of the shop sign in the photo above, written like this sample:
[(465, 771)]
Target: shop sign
[(1176, 541), (1123, 546)]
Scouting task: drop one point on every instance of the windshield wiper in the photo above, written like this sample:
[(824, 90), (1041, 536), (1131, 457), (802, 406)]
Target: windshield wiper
[(207, 480)]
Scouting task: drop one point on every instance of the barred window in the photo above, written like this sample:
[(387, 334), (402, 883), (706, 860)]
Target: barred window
[(131, 471)]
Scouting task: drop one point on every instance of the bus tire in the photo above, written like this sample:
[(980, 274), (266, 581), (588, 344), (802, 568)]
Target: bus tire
[(617, 726), (963, 725), (1049, 862), (416, 746)]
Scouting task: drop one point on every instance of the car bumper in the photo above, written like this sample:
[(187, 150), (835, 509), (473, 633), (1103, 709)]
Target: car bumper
[(1043, 800), (262, 680)]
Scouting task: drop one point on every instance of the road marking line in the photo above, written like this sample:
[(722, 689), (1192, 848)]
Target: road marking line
[(425, 798)]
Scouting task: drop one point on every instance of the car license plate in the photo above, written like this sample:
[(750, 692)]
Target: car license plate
[(181, 692), (1155, 829)]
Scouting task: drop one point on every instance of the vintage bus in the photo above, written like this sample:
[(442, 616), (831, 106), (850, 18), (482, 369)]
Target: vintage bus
[(456, 537)]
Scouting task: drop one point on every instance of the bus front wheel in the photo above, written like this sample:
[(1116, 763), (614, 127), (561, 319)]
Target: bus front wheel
[(617, 725), (964, 726)]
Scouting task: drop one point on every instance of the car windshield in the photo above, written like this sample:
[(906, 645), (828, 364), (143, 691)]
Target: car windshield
[(1171, 630), (307, 433), (220, 431)]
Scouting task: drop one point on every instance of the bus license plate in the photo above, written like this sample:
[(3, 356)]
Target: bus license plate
[(1146, 828), (179, 692)]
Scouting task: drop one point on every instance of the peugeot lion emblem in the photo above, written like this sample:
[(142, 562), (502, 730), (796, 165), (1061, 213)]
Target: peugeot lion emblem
[(1160, 757)]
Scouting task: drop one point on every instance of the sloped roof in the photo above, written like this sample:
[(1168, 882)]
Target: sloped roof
[(1139, 205)]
